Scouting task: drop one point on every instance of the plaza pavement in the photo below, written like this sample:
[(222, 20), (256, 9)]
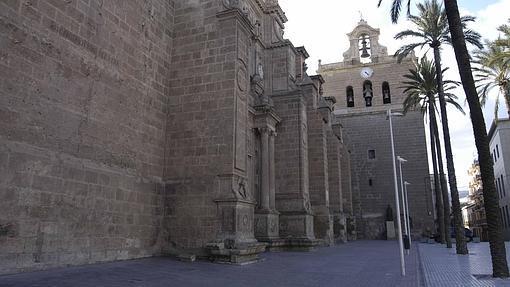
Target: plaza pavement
[(360, 263), (444, 268)]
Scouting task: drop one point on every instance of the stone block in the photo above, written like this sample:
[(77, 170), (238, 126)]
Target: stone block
[(266, 226)]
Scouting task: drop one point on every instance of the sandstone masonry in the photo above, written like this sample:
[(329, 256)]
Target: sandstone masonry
[(365, 89), (141, 128), (138, 128)]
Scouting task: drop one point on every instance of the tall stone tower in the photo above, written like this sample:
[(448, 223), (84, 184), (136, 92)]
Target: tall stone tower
[(367, 84)]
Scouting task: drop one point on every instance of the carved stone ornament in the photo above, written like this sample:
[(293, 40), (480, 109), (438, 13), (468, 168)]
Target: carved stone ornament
[(242, 79), (230, 4), (277, 32), (307, 205), (244, 8), (240, 190), (260, 70)]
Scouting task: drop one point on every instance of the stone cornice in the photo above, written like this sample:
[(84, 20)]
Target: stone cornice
[(318, 78), (302, 50), (284, 43), (345, 65)]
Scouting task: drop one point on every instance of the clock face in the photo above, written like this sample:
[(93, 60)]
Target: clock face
[(366, 72)]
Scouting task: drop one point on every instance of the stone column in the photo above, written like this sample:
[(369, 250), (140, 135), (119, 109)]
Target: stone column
[(265, 186), (266, 216), (272, 191)]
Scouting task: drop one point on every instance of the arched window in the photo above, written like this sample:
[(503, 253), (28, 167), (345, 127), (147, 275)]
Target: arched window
[(386, 93), (350, 96), (368, 93)]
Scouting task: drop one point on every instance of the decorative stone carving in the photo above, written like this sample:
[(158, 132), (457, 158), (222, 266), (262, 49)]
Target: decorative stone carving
[(241, 189), (277, 32), (227, 220), (235, 4), (245, 9), (306, 203), (242, 79)]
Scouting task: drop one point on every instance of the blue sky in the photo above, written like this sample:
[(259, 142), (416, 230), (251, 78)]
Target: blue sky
[(475, 5)]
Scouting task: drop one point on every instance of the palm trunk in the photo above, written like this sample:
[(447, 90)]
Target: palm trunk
[(497, 245), (444, 188), (452, 179), (437, 190)]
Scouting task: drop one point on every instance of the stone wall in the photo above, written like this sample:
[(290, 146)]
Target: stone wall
[(200, 110), (83, 94), (373, 184), (139, 128), (367, 130)]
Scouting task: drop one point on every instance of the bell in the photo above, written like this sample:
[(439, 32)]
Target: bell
[(364, 49)]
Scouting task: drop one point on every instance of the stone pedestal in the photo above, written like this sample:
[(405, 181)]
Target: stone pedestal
[(236, 243), (297, 230), (266, 225), (267, 229), (323, 228), (390, 230), (351, 228), (339, 228)]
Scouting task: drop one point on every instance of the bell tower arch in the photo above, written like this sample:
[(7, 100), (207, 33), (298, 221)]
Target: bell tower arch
[(364, 45)]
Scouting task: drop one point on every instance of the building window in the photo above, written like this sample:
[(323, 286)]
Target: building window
[(349, 91), (503, 186), (497, 150), (371, 154), (495, 159), (386, 93), (370, 182), (368, 93)]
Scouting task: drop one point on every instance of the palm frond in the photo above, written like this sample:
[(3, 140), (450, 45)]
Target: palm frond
[(395, 10), (406, 50)]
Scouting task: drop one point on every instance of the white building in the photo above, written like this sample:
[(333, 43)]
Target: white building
[(499, 135)]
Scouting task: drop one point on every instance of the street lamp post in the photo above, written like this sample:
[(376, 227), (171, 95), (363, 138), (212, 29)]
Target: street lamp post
[(397, 203), (407, 212), (404, 208)]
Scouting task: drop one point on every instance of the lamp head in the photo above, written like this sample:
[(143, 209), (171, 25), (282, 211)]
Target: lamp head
[(407, 183), (401, 159), (393, 114)]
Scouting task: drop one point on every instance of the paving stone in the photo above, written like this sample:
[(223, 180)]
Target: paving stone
[(443, 267), (355, 264)]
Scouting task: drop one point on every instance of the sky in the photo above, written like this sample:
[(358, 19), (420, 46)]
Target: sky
[(321, 26)]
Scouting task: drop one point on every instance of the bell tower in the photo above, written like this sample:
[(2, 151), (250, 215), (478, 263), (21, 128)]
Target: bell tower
[(364, 45), (366, 84)]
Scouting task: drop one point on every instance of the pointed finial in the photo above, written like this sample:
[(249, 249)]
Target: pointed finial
[(361, 16)]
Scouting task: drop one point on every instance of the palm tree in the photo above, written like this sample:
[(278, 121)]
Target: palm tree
[(492, 72), (496, 242), (432, 30), (503, 43), (421, 90)]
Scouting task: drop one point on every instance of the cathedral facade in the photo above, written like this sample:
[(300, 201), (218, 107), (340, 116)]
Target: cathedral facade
[(143, 128)]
